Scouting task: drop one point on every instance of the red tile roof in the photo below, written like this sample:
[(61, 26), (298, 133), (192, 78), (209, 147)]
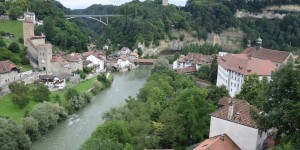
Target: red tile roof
[(245, 66), (196, 58), (241, 112), (73, 57), (60, 60), (267, 54), (219, 142), (7, 66), (87, 54), (189, 69)]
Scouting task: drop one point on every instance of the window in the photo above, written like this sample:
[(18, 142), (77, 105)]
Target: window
[(234, 84), (231, 83)]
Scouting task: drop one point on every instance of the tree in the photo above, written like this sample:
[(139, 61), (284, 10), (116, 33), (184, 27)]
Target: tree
[(281, 109), (102, 78), (12, 136), (101, 144), (215, 93), (115, 130), (76, 103), (41, 93), (203, 72), (14, 47), (71, 92), (253, 90), (213, 71), (2, 42), (31, 128), (15, 12), (20, 100), (48, 114)]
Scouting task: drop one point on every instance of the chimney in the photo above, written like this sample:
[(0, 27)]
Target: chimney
[(230, 109)]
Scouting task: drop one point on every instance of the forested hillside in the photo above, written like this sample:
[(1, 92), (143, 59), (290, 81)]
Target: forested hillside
[(150, 22)]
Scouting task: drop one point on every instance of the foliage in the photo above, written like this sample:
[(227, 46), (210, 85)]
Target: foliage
[(15, 12), (12, 136), (48, 114), (99, 144), (14, 47), (87, 70), (76, 103), (97, 87), (31, 128), (71, 92), (253, 90), (215, 93), (205, 49), (169, 112), (2, 42), (282, 104), (41, 92), (20, 94), (203, 72), (104, 80)]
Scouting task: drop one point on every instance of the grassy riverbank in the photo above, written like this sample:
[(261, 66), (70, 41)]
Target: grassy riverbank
[(7, 108)]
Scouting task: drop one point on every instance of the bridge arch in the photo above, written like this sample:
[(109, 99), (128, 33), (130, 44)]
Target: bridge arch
[(93, 17)]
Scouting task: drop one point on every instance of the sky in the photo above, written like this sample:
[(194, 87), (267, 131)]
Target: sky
[(80, 4)]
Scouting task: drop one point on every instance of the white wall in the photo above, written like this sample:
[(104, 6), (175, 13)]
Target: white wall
[(245, 137), (97, 61)]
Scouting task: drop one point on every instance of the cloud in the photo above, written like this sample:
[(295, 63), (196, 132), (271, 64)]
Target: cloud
[(80, 4)]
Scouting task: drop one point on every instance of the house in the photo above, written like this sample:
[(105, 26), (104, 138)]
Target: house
[(219, 142), (53, 82), (124, 51), (276, 56), (97, 59), (192, 59), (123, 63), (233, 68), (234, 119), (8, 72), (60, 66), (74, 60), (134, 55), (187, 70)]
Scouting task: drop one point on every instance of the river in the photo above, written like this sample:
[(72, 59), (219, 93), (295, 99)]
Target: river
[(72, 132)]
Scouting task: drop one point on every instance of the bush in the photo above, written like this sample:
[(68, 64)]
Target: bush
[(20, 100), (21, 40), (97, 88), (14, 47), (76, 103), (24, 60), (48, 114), (71, 92)]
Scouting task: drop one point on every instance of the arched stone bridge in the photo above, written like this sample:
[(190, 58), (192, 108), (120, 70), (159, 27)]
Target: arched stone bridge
[(93, 17)]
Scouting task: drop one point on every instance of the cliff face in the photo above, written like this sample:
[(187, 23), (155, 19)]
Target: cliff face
[(231, 39), (269, 12)]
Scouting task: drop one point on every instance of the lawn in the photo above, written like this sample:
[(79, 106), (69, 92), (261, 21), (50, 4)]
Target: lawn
[(14, 27), (7, 108)]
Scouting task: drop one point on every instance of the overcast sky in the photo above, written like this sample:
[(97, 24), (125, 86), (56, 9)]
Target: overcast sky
[(79, 4)]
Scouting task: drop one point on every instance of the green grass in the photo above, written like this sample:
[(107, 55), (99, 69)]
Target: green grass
[(15, 27), (7, 108)]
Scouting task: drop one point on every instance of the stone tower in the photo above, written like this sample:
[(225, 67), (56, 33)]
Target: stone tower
[(44, 56), (165, 2), (28, 30)]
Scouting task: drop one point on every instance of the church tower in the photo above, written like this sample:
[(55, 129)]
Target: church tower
[(28, 30), (165, 2)]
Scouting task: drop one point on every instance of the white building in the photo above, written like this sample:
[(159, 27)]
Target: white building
[(234, 119), (125, 51), (53, 82), (96, 62), (232, 69), (192, 59), (123, 63)]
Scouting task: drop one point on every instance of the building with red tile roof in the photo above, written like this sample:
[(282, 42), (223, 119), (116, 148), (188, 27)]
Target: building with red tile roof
[(276, 56), (232, 69), (192, 59), (219, 142), (8, 71), (234, 119)]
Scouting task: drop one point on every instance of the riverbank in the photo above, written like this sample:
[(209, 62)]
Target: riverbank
[(7, 108), (72, 132)]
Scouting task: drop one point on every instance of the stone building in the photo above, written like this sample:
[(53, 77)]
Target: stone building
[(8, 72), (38, 51)]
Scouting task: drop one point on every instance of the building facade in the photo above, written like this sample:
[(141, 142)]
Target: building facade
[(234, 119), (233, 68)]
